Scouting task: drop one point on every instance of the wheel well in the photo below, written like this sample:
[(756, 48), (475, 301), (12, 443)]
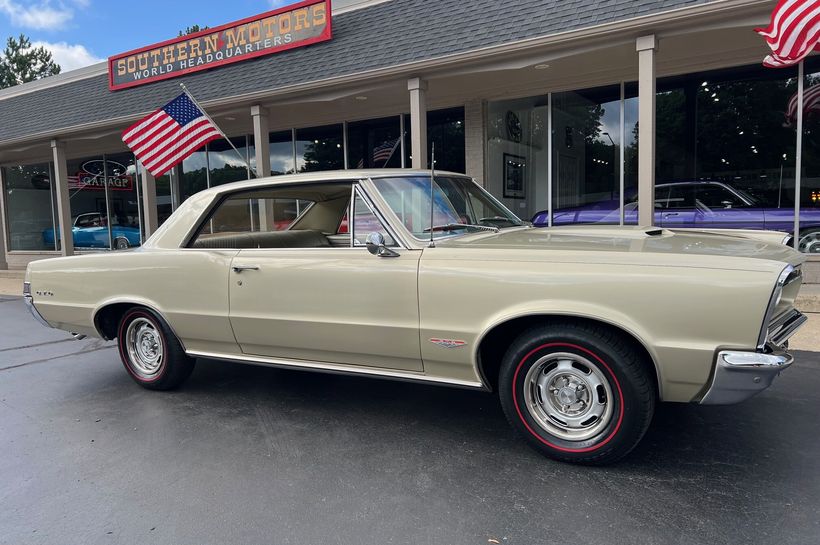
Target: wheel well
[(495, 343), (108, 319)]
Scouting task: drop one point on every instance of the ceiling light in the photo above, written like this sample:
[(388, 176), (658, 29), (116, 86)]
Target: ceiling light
[(541, 66), (230, 118), (360, 97)]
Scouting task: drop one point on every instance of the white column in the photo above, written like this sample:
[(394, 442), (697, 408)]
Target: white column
[(63, 203), (646, 46), (149, 201), (418, 121), (261, 146), (261, 140), (474, 139), (3, 225)]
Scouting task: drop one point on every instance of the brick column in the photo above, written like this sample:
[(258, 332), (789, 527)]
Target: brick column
[(474, 139)]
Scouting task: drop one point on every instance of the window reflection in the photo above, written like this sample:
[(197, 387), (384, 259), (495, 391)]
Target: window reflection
[(319, 148)]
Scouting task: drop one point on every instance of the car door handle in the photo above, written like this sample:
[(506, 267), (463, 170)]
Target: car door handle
[(240, 268), (670, 214)]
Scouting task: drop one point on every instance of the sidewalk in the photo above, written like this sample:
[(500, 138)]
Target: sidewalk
[(808, 338)]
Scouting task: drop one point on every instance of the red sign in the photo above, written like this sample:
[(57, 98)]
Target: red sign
[(293, 26)]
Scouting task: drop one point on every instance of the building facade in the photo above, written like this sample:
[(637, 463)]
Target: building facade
[(585, 111)]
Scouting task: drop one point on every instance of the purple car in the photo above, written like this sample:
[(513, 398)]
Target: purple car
[(700, 204)]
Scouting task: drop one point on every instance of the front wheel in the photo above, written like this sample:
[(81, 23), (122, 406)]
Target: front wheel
[(578, 393), (150, 352), (809, 242)]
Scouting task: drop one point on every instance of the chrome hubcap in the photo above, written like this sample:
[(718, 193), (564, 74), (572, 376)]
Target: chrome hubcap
[(810, 243), (568, 396), (144, 346)]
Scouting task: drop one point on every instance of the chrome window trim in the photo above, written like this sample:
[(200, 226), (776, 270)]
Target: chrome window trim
[(359, 191)]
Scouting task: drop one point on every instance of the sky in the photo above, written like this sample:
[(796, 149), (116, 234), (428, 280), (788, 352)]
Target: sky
[(83, 32)]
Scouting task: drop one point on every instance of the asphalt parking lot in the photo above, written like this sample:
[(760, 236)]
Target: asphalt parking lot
[(246, 454)]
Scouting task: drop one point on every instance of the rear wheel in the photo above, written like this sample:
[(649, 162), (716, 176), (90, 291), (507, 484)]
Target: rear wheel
[(121, 243), (578, 393), (150, 352)]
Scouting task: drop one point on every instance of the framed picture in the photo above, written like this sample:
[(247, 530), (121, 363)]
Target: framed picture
[(514, 166)]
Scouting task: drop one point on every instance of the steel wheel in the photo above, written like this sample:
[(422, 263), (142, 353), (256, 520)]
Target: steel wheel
[(568, 396), (143, 342), (809, 242)]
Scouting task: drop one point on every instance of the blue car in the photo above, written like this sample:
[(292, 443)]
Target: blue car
[(91, 231)]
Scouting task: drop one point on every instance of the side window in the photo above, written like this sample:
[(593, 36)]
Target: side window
[(661, 197), (682, 196), (715, 196), (366, 222), (257, 219)]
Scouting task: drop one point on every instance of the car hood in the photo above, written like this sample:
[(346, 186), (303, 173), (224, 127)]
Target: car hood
[(764, 245)]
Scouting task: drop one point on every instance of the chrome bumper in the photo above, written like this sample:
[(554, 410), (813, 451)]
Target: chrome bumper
[(30, 304), (741, 375)]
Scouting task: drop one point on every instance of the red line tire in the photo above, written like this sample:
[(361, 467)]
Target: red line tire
[(150, 351), (577, 392)]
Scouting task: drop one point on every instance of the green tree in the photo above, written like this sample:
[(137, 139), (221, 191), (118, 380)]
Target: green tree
[(21, 63), (192, 30)]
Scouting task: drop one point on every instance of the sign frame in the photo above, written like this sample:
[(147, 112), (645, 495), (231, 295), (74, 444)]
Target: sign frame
[(326, 35)]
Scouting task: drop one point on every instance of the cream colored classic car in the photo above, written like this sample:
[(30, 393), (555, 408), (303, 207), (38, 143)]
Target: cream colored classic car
[(581, 330)]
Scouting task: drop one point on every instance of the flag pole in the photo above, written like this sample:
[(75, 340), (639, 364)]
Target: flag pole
[(198, 105)]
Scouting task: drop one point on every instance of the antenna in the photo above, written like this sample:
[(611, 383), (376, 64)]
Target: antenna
[(432, 186)]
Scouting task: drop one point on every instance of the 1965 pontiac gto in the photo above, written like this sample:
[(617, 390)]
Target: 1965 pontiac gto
[(383, 274)]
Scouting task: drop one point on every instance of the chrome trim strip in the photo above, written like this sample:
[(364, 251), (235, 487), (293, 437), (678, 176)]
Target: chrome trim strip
[(325, 367), (29, 300), (783, 279)]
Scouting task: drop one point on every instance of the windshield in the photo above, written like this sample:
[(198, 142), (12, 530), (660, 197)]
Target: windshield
[(458, 202)]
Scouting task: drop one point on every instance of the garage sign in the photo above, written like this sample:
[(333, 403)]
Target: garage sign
[(293, 26)]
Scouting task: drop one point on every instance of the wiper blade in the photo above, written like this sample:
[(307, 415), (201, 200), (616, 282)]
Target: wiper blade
[(458, 226)]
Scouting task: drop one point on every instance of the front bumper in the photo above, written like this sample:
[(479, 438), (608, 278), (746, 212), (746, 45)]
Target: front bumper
[(30, 304), (741, 375)]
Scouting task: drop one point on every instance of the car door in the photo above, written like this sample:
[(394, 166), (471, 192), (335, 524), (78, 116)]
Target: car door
[(678, 206), (720, 208), (329, 304)]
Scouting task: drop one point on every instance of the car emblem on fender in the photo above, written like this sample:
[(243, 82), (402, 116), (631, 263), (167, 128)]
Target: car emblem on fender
[(448, 343)]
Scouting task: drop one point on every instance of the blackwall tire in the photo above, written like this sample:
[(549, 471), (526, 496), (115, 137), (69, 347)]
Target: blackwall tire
[(150, 352), (121, 243), (577, 392)]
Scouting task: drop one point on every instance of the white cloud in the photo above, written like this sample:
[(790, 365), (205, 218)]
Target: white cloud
[(69, 56), (40, 16)]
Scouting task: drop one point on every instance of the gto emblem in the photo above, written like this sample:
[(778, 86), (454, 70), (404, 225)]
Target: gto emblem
[(448, 343), (45, 293)]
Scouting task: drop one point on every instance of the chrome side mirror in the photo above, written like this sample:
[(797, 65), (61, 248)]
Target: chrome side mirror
[(376, 246)]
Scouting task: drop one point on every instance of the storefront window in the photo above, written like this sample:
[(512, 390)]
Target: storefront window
[(726, 149), (30, 207), (445, 128), (226, 164), (809, 240), (375, 143), (586, 130), (281, 152), (194, 173), (517, 154), (319, 148), (104, 202)]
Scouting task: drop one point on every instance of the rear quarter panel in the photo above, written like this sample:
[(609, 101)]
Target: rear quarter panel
[(189, 288)]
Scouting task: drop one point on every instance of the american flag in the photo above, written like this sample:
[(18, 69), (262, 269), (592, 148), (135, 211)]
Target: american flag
[(169, 135), (385, 151), (793, 32), (811, 103)]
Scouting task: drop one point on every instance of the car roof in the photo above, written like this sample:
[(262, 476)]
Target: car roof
[(324, 176)]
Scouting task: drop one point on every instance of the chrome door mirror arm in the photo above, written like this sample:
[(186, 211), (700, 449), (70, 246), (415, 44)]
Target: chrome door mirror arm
[(376, 246)]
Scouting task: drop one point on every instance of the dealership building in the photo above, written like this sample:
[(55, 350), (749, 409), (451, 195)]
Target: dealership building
[(562, 107)]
